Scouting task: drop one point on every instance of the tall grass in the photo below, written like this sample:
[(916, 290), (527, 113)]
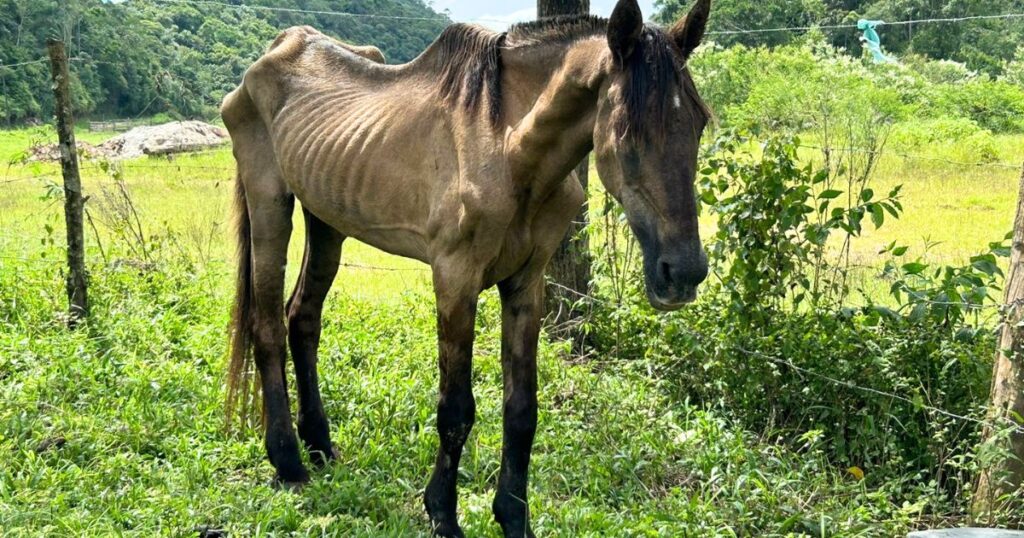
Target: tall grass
[(116, 429)]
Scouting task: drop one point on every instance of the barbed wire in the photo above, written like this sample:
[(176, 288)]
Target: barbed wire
[(385, 269), (8, 181), (855, 27), (851, 385), (304, 11), (355, 266), (914, 156), (348, 14), (947, 20)]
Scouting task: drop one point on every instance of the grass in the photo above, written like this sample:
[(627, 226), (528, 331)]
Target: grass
[(117, 429)]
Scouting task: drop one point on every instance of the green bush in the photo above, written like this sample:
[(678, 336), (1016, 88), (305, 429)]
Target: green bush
[(803, 87), (995, 105), (776, 345), (1013, 71), (918, 133)]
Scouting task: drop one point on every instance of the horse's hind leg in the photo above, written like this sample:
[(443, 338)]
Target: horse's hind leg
[(319, 267), (270, 211)]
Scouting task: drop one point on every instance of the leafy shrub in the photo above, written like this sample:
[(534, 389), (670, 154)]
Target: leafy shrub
[(938, 71), (775, 220), (1013, 71), (800, 87), (995, 105), (774, 345), (960, 139), (918, 133), (979, 147)]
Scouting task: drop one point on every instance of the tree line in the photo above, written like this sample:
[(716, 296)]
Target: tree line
[(983, 45), (145, 57), (180, 57)]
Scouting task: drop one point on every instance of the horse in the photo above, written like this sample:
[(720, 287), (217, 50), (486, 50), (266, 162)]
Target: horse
[(461, 159)]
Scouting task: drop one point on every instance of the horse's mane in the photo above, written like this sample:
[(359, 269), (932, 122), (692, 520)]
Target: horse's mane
[(472, 67)]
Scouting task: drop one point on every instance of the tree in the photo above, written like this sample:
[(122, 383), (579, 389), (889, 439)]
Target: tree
[(731, 15), (144, 57), (569, 272), (1004, 478), (984, 45)]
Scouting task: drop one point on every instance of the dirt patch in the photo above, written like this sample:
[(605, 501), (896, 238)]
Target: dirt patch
[(51, 152), (178, 137), (166, 139)]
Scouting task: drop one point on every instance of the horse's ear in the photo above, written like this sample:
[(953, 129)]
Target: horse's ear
[(624, 29), (689, 31)]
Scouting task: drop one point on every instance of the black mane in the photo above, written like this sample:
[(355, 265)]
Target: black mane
[(472, 68)]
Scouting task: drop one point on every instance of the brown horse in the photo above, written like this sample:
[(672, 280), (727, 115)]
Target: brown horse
[(458, 159)]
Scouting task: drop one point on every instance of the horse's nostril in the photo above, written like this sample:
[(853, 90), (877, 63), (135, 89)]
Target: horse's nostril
[(665, 272)]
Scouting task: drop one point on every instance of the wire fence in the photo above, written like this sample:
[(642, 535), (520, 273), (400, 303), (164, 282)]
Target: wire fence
[(847, 384), (947, 20), (127, 166)]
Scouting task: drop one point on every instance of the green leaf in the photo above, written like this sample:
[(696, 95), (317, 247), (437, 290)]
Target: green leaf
[(867, 195), (877, 215), (830, 194), (914, 268)]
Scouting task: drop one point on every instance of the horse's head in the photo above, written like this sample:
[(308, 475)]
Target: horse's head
[(647, 136)]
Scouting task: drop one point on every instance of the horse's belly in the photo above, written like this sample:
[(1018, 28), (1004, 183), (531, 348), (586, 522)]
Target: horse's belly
[(400, 234)]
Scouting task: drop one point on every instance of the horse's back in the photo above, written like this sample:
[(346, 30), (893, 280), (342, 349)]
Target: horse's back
[(297, 53)]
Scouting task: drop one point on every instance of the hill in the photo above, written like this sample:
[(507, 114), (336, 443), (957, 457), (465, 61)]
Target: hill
[(177, 56)]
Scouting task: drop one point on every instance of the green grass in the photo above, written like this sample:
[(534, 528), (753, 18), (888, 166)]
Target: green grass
[(137, 394)]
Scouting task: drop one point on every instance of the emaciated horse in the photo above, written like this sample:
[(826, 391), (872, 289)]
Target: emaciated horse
[(458, 159)]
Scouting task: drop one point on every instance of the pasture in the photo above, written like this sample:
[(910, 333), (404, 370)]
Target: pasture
[(118, 429)]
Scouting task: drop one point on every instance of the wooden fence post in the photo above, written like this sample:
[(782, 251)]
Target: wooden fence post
[(569, 271), (77, 281), (1004, 477)]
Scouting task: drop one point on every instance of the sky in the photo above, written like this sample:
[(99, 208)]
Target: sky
[(498, 14)]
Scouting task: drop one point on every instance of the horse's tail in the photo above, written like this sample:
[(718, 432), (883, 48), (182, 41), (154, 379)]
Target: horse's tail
[(242, 382)]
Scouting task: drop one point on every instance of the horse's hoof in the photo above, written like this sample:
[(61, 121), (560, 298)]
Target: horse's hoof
[(291, 486), (321, 459), (517, 533), (447, 530)]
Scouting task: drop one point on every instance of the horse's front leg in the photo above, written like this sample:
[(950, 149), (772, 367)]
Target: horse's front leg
[(522, 302), (456, 316)]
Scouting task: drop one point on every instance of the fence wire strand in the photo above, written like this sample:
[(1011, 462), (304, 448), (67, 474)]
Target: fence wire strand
[(868, 390), (950, 20)]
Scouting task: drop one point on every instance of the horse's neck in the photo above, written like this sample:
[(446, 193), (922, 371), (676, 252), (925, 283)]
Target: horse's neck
[(551, 106)]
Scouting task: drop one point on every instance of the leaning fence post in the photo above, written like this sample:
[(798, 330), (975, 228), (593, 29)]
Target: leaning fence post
[(1001, 479), (77, 280)]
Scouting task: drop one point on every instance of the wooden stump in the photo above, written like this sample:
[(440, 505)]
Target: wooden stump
[(1000, 479)]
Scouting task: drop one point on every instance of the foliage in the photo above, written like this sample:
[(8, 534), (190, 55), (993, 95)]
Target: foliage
[(796, 87), (872, 387), (749, 15), (146, 57), (117, 428), (776, 218), (945, 296), (983, 45)]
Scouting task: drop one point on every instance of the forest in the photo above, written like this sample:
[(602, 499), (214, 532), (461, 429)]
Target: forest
[(144, 57)]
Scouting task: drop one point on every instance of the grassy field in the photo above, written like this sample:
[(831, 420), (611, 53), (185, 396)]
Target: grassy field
[(117, 429)]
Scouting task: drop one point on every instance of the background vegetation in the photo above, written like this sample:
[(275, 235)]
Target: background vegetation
[(985, 45), (832, 380), (150, 56)]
